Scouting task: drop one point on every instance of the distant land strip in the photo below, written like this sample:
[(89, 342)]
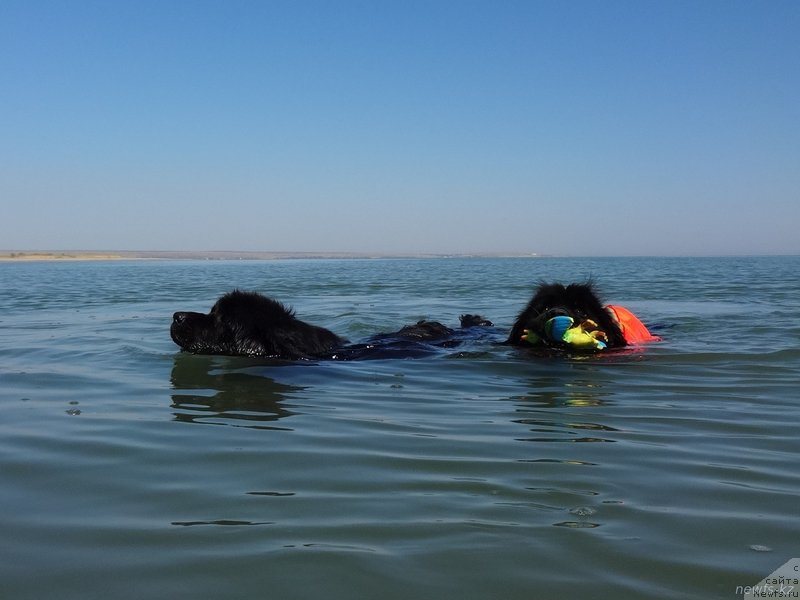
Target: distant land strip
[(78, 255)]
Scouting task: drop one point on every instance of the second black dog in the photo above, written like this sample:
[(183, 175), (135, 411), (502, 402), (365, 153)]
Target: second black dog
[(578, 301)]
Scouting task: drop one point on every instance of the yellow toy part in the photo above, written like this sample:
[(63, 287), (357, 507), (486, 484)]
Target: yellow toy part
[(586, 336)]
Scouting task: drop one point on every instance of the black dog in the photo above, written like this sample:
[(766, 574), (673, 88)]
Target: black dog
[(577, 301), (249, 324)]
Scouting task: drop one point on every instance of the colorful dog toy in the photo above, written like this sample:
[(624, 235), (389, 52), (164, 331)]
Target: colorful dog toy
[(562, 329)]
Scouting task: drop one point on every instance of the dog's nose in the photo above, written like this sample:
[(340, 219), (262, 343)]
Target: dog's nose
[(179, 317)]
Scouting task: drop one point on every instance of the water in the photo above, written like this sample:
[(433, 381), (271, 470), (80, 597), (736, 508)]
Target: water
[(130, 470)]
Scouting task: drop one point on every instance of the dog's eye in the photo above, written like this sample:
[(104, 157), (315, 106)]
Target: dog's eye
[(555, 312)]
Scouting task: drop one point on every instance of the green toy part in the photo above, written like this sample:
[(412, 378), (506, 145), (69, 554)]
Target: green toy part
[(531, 337)]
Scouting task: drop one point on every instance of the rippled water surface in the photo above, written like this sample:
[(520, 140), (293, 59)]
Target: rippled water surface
[(131, 470)]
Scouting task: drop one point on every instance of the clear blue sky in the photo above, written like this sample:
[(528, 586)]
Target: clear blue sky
[(577, 128)]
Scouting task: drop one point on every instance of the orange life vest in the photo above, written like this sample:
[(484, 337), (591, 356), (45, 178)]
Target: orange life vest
[(633, 330)]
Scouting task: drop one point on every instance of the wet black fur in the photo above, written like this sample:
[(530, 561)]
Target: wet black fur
[(423, 338), (249, 324), (577, 300)]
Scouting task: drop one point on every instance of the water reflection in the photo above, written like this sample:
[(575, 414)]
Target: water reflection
[(548, 425), (562, 415), (554, 391), (214, 390)]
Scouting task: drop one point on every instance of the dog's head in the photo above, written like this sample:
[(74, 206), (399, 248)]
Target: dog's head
[(577, 301), (238, 323), (249, 324)]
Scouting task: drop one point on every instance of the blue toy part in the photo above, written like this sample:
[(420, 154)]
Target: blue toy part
[(557, 327)]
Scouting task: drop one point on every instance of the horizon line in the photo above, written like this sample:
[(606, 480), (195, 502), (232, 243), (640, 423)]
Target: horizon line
[(46, 255)]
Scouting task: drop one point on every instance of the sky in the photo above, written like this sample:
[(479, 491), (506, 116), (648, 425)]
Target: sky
[(582, 128)]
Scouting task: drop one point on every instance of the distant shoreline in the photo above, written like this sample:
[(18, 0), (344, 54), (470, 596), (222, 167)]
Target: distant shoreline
[(56, 256), (33, 256)]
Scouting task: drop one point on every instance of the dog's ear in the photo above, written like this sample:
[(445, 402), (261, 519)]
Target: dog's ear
[(544, 296)]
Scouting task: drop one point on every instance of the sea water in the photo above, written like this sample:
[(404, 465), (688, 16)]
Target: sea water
[(131, 470)]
